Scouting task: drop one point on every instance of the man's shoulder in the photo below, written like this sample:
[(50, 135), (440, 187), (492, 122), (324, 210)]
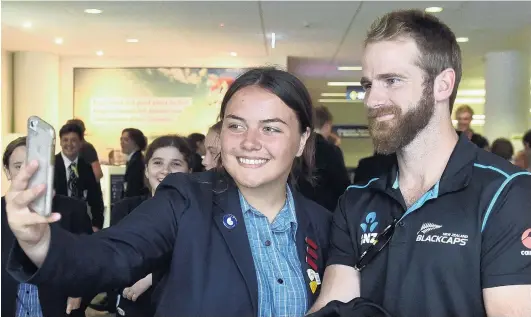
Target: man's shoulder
[(492, 169)]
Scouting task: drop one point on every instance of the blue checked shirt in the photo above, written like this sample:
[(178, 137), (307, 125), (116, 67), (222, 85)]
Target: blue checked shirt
[(28, 301), (281, 285)]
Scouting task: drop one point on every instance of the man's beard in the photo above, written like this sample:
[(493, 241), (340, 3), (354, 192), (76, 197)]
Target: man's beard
[(392, 135)]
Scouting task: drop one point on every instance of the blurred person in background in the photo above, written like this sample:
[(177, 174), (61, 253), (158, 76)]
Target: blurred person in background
[(503, 148), (133, 143), (464, 116), (87, 151), (73, 177), (197, 144), (212, 146), (331, 178)]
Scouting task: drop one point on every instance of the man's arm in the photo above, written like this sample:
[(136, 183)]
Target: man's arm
[(513, 301), (340, 281), (96, 168), (505, 265), (90, 155)]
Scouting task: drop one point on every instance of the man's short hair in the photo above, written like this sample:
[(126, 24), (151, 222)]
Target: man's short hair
[(78, 122), (438, 48), (71, 128), (322, 116), (464, 108)]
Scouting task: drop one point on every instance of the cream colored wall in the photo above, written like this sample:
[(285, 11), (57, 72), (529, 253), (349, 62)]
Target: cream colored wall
[(7, 107)]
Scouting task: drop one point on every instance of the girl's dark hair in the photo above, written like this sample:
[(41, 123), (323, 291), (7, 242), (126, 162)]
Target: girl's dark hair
[(137, 136), (10, 148), (175, 141), (294, 94)]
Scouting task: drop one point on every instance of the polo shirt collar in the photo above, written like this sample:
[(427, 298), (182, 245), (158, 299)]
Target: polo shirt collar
[(456, 175)]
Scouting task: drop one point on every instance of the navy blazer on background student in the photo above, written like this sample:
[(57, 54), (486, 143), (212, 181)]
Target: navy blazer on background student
[(87, 184), (134, 176), (211, 272), (74, 218)]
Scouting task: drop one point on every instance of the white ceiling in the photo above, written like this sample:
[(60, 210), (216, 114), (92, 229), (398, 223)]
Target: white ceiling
[(318, 36)]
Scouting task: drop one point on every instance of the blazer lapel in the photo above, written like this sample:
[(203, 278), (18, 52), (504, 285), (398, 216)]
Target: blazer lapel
[(227, 210), (310, 254)]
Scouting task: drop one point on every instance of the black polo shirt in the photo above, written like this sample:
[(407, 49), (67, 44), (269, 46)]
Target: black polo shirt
[(471, 231)]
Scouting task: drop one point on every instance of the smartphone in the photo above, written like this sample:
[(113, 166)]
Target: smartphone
[(41, 147)]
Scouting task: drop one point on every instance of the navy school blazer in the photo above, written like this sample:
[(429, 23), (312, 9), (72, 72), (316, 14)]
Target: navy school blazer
[(210, 269)]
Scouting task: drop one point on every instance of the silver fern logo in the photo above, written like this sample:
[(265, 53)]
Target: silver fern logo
[(428, 233), (427, 227)]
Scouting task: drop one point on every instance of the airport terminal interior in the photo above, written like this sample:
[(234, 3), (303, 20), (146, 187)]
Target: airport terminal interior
[(163, 67)]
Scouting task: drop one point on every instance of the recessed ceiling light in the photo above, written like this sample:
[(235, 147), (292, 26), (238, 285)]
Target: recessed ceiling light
[(462, 39), (58, 40), (344, 83), (433, 9), (93, 11), (222, 25), (233, 54), (27, 24), (132, 40), (333, 94), (349, 68), (99, 53)]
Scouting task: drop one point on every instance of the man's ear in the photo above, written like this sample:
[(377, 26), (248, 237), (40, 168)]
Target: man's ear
[(443, 85)]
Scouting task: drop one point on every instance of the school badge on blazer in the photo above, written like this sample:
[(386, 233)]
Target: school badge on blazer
[(311, 259)]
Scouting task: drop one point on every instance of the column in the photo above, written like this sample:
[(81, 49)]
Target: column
[(35, 88), (507, 95)]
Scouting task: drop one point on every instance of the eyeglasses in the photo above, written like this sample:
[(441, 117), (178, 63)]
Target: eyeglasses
[(381, 240)]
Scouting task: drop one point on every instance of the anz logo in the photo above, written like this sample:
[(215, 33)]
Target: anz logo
[(369, 227)]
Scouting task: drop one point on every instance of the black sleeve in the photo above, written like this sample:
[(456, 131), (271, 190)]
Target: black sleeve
[(343, 250), (506, 236), (95, 199), (120, 210), (80, 219), (112, 258), (89, 154)]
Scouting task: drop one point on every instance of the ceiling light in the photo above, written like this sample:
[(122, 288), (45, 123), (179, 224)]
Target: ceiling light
[(58, 40), (468, 101), (338, 101), (471, 93), (132, 40), (222, 25), (344, 83), (433, 9), (273, 40), (333, 94), (462, 39), (99, 53), (27, 24), (349, 68), (93, 11), (233, 54)]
